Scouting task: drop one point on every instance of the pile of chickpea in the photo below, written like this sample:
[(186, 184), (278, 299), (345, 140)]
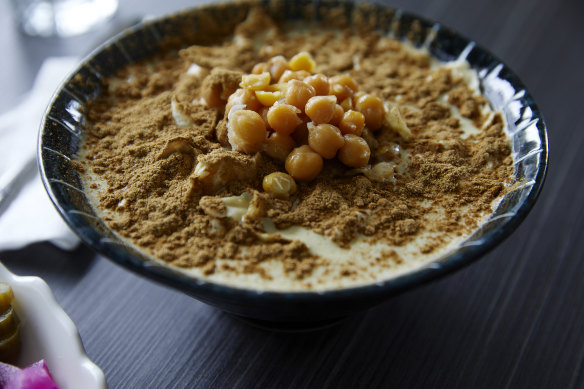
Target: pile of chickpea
[(299, 118)]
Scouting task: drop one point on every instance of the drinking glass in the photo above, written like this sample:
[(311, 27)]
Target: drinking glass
[(62, 18)]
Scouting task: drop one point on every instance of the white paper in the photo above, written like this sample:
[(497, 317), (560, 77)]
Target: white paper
[(31, 217)]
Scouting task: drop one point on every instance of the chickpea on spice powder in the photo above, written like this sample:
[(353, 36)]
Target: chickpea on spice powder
[(289, 100), (295, 159)]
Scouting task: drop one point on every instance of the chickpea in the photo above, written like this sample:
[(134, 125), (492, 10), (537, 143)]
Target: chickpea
[(283, 118), (246, 131), (352, 123), (358, 95), (279, 184), (325, 139), (343, 86), (303, 163), (242, 96), (259, 68), (337, 115), (263, 111), (355, 152), (278, 87), (268, 98), (373, 110), (320, 109), (255, 81), (320, 83), (290, 75), (347, 104), (298, 93), (302, 61), (278, 146), (300, 134), (276, 66)]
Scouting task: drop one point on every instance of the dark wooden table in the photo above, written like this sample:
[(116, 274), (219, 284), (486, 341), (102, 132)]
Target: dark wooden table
[(515, 319)]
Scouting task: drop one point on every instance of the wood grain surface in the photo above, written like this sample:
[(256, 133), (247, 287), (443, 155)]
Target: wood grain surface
[(515, 319)]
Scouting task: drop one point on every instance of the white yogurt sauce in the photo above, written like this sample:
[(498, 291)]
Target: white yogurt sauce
[(360, 257)]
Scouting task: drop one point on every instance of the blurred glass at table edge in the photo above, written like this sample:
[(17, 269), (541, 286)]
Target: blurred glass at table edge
[(62, 18)]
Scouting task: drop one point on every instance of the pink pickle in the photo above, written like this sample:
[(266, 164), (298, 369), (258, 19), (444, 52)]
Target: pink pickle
[(35, 376), (6, 373)]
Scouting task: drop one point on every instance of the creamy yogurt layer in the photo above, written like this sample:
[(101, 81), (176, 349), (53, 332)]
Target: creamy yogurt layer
[(364, 261)]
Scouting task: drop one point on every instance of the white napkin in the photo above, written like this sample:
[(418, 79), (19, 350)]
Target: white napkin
[(31, 217)]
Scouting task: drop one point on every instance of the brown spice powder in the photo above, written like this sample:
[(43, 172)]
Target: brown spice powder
[(134, 145)]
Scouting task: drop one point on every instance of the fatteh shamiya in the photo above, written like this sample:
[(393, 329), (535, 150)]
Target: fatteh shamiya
[(295, 158)]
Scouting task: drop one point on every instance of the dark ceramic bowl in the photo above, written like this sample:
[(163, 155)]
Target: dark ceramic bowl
[(63, 128)]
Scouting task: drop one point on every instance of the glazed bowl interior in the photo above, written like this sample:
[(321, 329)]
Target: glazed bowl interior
[(64, 125)]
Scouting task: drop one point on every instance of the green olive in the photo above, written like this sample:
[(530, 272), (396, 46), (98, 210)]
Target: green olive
[(8, 323), (10, 347), (6, 296), (9, 332)]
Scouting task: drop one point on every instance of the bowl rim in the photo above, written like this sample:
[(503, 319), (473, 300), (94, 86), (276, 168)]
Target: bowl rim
[(433, 270), (65, 355)]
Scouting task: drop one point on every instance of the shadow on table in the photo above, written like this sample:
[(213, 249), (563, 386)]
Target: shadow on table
[(392, 344), (50, 263)]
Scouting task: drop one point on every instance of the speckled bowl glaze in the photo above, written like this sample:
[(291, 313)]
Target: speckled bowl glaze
[(63, 128)]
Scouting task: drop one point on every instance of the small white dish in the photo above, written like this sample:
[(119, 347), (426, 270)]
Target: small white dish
[(46, 332)]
